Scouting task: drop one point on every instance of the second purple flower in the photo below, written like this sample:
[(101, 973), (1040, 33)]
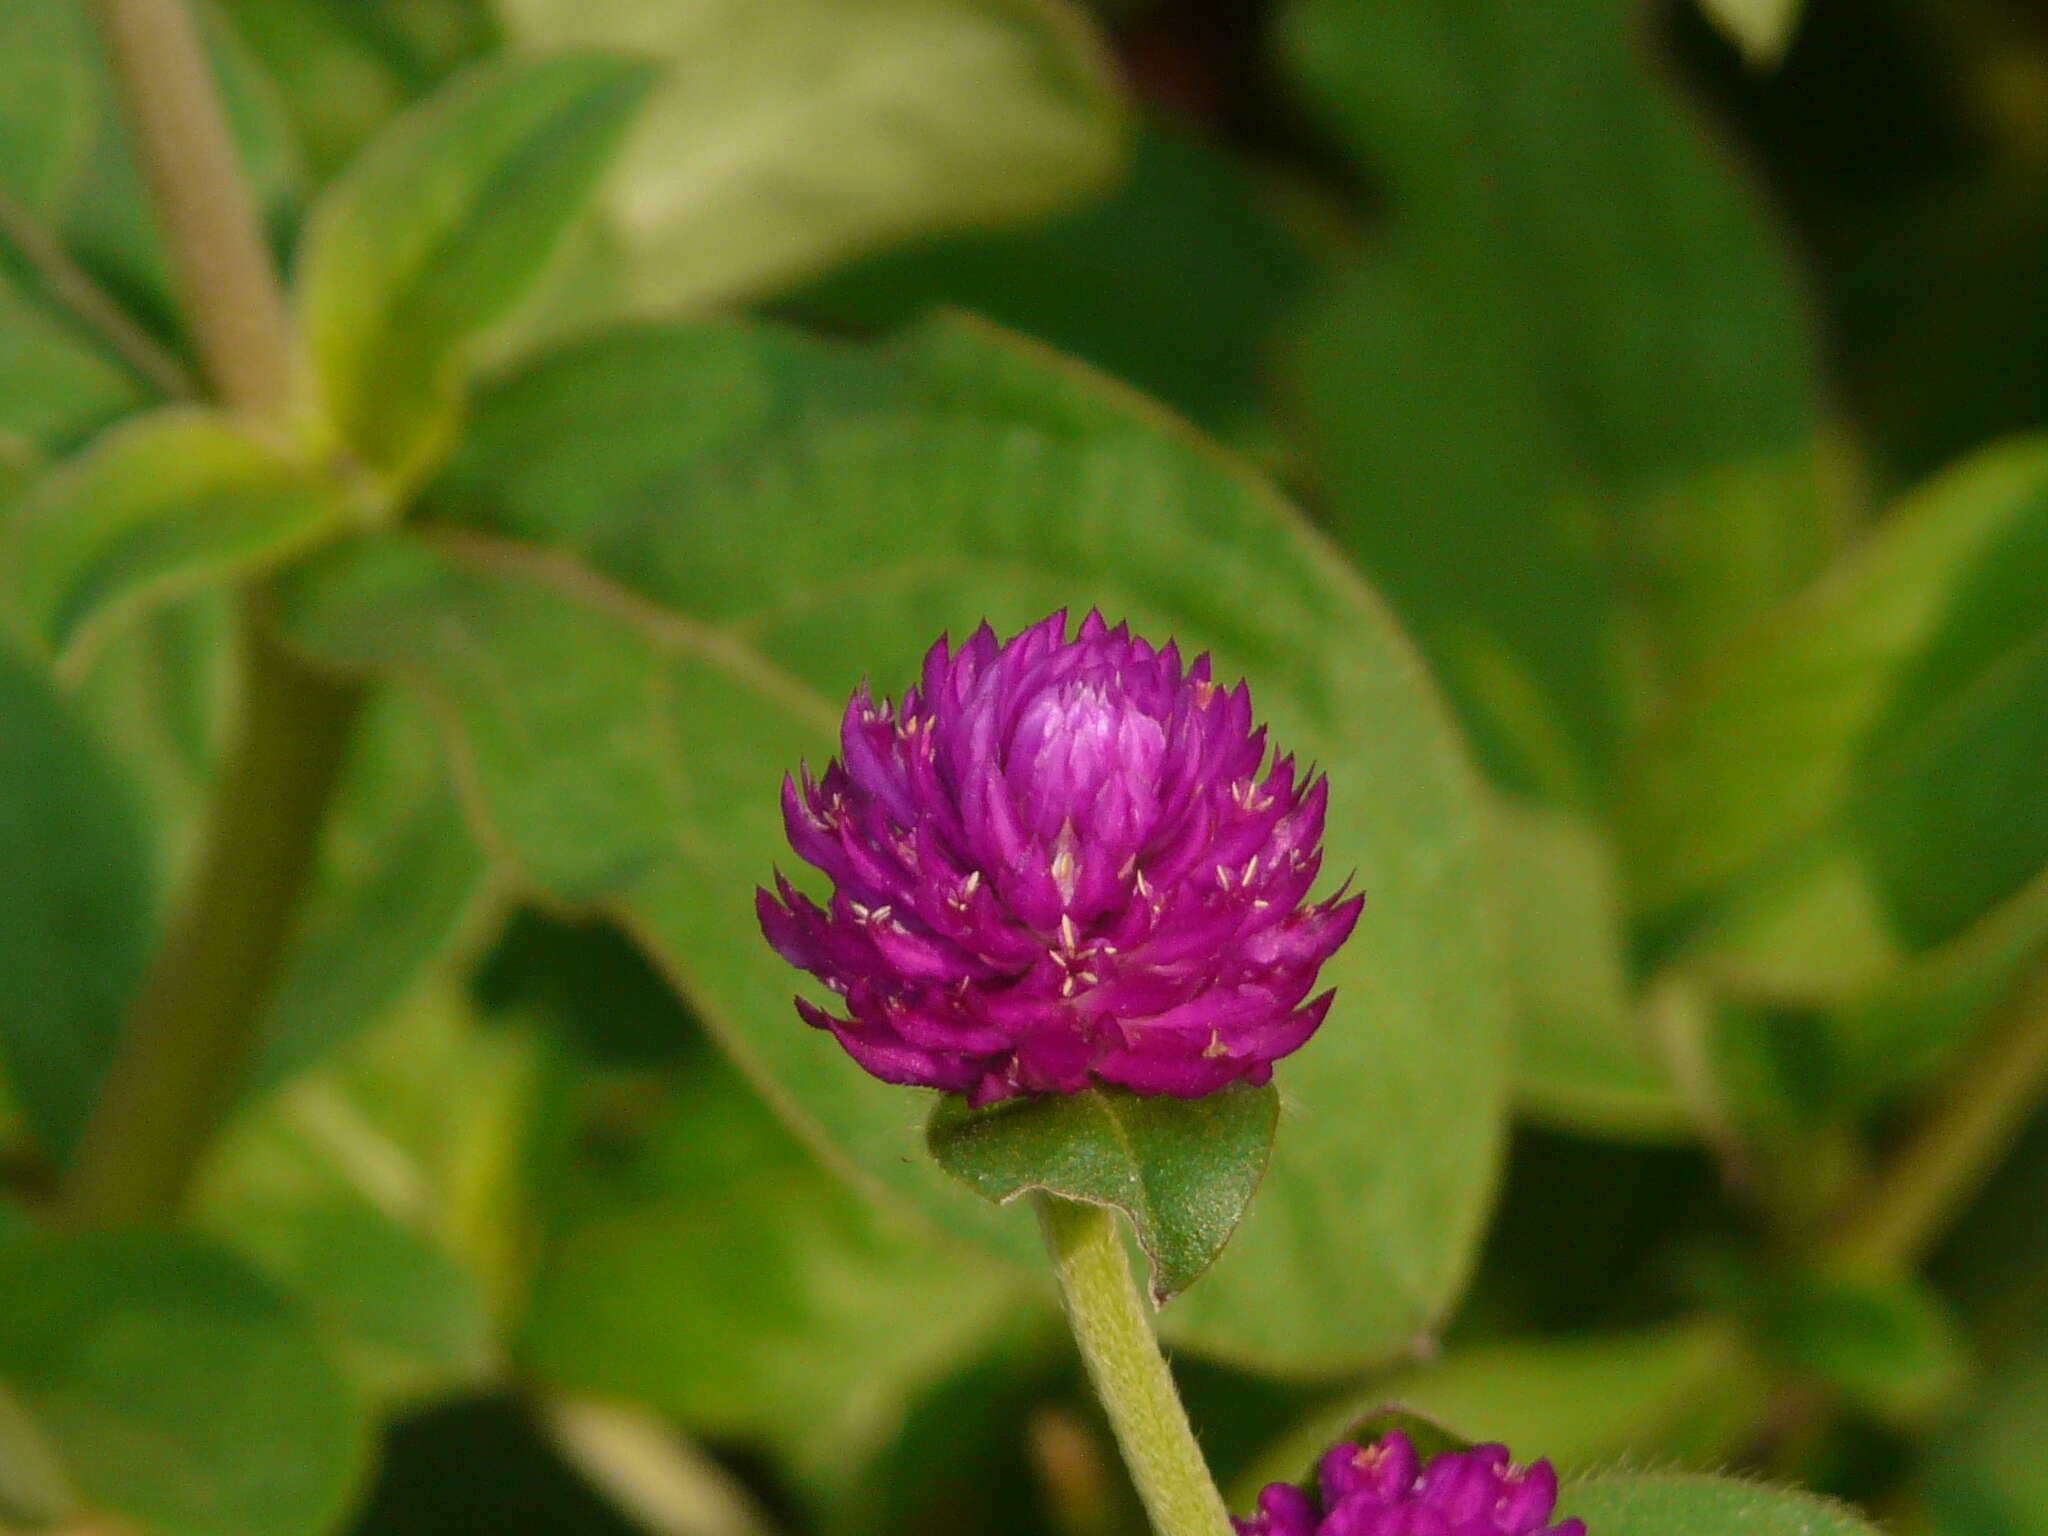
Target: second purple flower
[(1060, 862)]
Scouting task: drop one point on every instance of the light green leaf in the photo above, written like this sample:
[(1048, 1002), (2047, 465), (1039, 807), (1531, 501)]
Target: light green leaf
[(733, 549), (709, 1268), (1762, 29), (1182, 1170), (50, 98), (1647, 1394), (161, 506), (791, 134), (439, 230), (1651, 1504), (1584, 1057), (77, 916), (176, 1387), (1565, 412), (1860, 779)]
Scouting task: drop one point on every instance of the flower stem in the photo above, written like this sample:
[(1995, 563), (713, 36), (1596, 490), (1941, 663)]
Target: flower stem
[(1113, 1327), (181, 1063), (183, 1056), (1981, 1110), (227, 283)]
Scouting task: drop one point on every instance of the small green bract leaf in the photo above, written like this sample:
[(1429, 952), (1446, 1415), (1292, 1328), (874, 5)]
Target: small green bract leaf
[(1703, 1506), (165, 505), (1182, 1170), (440, 229)]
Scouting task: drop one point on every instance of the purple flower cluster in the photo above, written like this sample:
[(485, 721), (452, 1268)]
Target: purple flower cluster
[(1382, 1489), (1060, 862)]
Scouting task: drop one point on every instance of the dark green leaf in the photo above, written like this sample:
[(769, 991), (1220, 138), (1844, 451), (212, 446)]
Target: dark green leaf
[(1175, 281), (57, 385), (1653, 1504), (1182, 1170), (78, 905), (439, 230), (1890, 1345), (176, 1387), (732, 549), (863, 124), (1988, 1475), (1565, 410), (161, 506)]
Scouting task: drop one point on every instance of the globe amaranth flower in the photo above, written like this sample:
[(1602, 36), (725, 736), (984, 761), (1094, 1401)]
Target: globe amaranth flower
[(1383, 1489), (1060, 862)]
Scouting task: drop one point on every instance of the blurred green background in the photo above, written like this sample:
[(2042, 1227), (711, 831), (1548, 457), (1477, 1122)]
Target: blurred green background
[(1675, 376)]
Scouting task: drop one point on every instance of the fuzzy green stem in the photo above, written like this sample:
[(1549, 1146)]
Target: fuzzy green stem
[(227, 283), (188, 1041), (1981, 1111), (1113, 1326)]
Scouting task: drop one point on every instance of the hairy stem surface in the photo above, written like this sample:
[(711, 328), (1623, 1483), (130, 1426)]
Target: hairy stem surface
[(1113, 1326)]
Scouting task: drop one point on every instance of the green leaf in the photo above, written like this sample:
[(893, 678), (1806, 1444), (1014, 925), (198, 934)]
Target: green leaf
[(733, 548), (1653, 1504), (176, 1387), (1186, 233), (409, 1321), (57, 385), (67, 160), (1564, 413), (1182, 1170), (345, 70), (78, 907), (161, 506), (1584, 1057), (791, 134), (399, 882), (705, 1264), (439, 230), (1583, 1402), (1887, 1344), (1762, 29), (1859, 780), (1988, 1474)]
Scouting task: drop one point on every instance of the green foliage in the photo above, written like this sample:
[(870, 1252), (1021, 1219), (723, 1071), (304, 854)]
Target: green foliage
[(1586, 1401), (1625, 1504), (172, 502), (1585, 1055), (1989, 1473), (439, 230), (1182, 1171), (705, 1264), (1856, 782), (1566, 409), (123, 1346), (832, 531), (791, 134), (79, 904)]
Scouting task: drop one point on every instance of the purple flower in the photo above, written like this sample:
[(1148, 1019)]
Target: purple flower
[(1383, 1490), (1056, 863)]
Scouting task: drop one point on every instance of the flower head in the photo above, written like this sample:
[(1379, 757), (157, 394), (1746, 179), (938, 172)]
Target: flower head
[(1060, 862), (1382, 1489)]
